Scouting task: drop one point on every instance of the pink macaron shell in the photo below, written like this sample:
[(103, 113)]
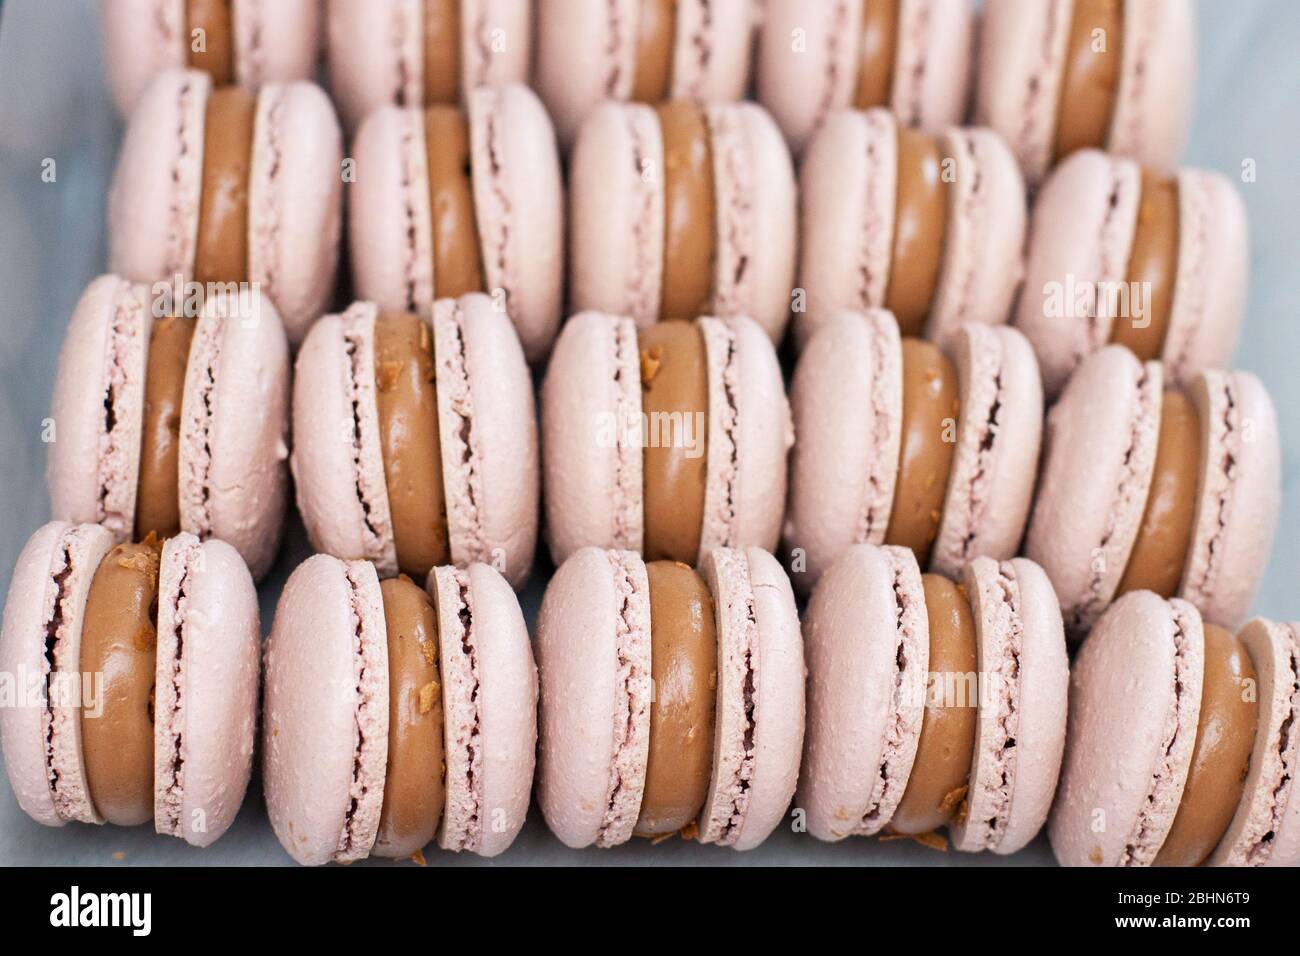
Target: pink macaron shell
[(93, 471), (325, 711), (1240, 491), (616, 213), (847, 402), (593, 657), (337, 463), (519, 206), (275, 40), (712, 49), (999, 432), (1265, 831), (1023, 664), (496, 42), (43, 743), (488, 428), (592, 476), (1135, 697), (572, 86), (234, 434), (934, 53), (141, 38), (1152, 110), (1099, 457), (374, 55), (846, 193), (295, 196), (749, 436), (1080, 235), (152, 231), (206, 692)]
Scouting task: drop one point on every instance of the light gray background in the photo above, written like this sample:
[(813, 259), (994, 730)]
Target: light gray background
[(54, 104)]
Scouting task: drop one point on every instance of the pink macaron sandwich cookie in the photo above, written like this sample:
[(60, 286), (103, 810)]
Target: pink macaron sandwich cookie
[(927, 226), (138, 671), (243, 42), (1061, 75), (415, 439), (669, 441), (912, 56), (422, 52), (644, 51), (1149, 486), (933, 702), (448, 201), (395, 714), (901, 443), (1156, 262), (231, 186), (681, 210), (172, 422), (671, 701), (1182, 746)]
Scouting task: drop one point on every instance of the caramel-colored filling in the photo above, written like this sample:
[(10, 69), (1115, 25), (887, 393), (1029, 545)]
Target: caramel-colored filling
[(930, 406), (675, 405), (1160, 549), (876, 63), (218, 54), (920, 221), (1225, 735), (946, 747), (689, 212), (221, 254), (457, 261), (684, 666), (1152, 267), (441, 51), (119, 640), (157, 503), (414, 785), (1093, 55), (409, 441), (656, 29)]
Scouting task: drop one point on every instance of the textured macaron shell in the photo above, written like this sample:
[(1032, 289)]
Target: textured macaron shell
[(206, 692), (1135, 697), (325, 711)]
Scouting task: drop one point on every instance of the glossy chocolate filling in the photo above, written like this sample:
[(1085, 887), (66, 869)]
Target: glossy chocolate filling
[(457, 261), (684, 666), (1091, 76), (878, 51), (1225, 735), (931, 403), (157, 504), (1152, 268), (689, 212), (920, 223), (1160, 549), (656, 30), (675, 405), (414, 781), (409, 440), (119, 640), (442, 51), (218, 54), (221, 253)]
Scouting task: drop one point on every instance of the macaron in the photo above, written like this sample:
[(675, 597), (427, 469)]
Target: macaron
[(645, 51), (902, 443), (242, 42), (231, 186), (415, 439), (933, 702), (1182, 746), (1156, 262), (670, 440), (422, 52), (1061, 75), (1149, 486), (927, 226), (448, 201), (166, 421), (394, 714), (913, 57), (672, 701), (137, 672), (682, 210)]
